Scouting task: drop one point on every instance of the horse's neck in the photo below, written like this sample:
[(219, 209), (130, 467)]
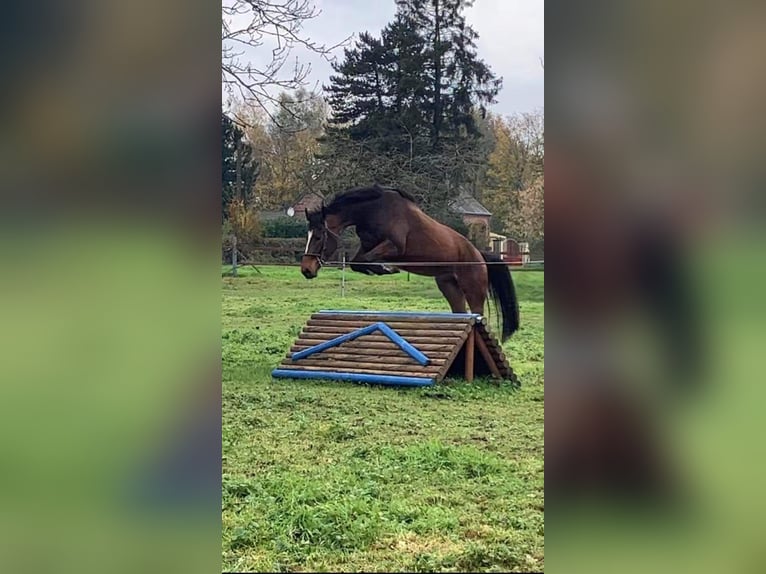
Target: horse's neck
[(361, 216), (337, 223), (350, 217)]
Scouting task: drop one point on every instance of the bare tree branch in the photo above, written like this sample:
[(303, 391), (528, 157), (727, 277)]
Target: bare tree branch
[(247, 25)]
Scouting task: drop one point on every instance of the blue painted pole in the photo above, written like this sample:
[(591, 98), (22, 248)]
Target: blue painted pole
[(382, 327), (354, 377), (400, 313), (334, 342), (403, 344)]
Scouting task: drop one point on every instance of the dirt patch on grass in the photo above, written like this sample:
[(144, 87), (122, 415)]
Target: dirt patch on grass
[(482, 531), (415, 544)]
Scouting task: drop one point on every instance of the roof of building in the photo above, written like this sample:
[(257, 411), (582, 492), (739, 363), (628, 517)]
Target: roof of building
[(468, 205), (304, 195)]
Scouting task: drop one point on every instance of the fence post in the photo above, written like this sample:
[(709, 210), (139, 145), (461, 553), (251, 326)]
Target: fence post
[(233, 255), (343, 276)]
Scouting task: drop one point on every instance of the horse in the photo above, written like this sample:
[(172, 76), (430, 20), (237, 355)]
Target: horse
[(391, 227)]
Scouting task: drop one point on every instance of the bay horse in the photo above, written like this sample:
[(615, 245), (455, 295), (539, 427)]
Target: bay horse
[(391, 227)]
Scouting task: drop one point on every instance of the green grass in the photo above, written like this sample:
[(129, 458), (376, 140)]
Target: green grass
[(326, 476)]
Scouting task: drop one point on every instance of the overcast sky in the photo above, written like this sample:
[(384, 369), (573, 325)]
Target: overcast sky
[(511, 41)]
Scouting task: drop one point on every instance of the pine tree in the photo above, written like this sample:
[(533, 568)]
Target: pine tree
[(359, 91), (407, 110), (458, 80), (404, 104)]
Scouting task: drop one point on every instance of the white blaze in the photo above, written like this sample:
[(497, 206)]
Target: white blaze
[(308, 242)]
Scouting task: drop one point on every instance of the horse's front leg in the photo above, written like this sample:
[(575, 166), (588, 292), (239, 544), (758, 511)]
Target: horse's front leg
[(383, 250), (386, 249), (359, 256)]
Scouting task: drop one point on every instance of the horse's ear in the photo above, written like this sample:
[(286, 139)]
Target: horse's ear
[(324, 211), (307, 213)]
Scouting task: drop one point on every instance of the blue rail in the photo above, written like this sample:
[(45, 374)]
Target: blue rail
[(400, 313), (355, 377), (402, 343), (334, 342), (382, 327)]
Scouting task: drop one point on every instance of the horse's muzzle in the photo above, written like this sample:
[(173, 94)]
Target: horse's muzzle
[(309, 266)]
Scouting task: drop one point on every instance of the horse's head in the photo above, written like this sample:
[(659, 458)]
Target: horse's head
[(321, 244)]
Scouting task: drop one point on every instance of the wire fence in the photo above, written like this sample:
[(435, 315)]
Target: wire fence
[(345, 264), (430, 263), (288, 253)]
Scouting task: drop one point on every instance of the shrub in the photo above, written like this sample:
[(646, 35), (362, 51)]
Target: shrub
[(243, 223), (285, 227)]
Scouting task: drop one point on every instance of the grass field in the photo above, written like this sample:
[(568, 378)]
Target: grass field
[(325, 476)]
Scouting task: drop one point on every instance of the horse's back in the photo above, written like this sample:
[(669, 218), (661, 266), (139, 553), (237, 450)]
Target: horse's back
[(431, 241)]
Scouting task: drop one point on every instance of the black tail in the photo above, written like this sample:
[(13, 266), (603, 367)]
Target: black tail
[(502, 290)]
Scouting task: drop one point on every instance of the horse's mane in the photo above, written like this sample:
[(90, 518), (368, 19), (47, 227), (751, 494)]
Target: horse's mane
[(348, 197)]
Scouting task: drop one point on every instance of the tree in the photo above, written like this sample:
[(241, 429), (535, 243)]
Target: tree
[(285, 147), (404, 105), (360, 86), (239, 168), (514, 164), (531, 218), (298, 112), (247, 25), (457, 79)]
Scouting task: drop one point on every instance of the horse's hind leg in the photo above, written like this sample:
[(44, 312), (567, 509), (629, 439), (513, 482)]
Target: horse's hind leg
[(473, 283), (451, 290)]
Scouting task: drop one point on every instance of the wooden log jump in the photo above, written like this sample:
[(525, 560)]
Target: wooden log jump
[(394, 348)]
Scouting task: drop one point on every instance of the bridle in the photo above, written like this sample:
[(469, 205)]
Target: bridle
[(318, 256)]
